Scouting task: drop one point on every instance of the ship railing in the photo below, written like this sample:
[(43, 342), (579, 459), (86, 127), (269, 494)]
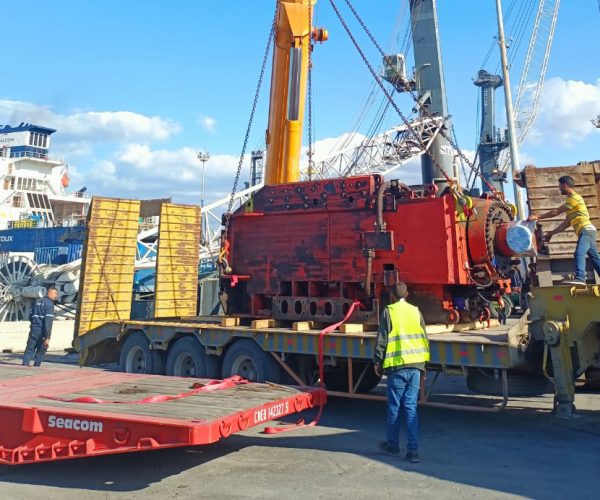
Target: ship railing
[(36, 155), (32, 223), (71, 194), (70, 221)]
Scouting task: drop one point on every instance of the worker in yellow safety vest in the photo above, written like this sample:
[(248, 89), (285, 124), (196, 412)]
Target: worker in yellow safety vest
[(401, 351)]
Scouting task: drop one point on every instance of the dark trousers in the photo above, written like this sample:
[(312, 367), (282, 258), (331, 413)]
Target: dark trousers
[(35, 349)]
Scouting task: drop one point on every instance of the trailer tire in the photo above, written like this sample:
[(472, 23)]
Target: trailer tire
[(187, 358), (246, 359), (518, 385), (137, 357)]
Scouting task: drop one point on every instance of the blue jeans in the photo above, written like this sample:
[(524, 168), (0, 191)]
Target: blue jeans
[(402, 394), (586, 245), (35, 349)]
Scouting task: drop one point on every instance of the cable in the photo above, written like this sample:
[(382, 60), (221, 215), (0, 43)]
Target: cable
[(419, 140)]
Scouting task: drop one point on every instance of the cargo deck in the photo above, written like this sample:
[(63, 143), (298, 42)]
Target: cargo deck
[(42, 422)]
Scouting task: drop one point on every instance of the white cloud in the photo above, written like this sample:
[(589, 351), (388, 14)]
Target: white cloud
[(138, 171), (324, 148), (208, 123), (90, 126), (565, 110)]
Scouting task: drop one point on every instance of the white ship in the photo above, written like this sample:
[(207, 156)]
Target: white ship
[(41, 223), (33, 184)]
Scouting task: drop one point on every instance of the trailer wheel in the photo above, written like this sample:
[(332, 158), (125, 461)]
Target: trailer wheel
[(187, 358), (137, 357), (246, 359), (481, 382)]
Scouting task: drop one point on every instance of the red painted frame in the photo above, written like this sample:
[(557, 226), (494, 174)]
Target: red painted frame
[(37, 433)]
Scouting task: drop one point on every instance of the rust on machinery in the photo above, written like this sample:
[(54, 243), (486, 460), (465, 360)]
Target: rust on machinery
[(305, 251), (107, 263), (176, 283)]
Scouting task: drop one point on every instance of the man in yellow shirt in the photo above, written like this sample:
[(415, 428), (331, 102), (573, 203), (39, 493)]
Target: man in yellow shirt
[(578, 217)]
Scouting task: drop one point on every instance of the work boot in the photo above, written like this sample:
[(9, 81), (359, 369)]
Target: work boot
[(389, 450), (412, 456)]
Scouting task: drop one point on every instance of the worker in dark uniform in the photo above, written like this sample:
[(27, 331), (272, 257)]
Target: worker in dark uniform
[(401, 351), (41, 317)]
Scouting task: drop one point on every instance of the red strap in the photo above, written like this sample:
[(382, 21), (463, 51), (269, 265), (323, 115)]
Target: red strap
[(300, 423), (212, 385)]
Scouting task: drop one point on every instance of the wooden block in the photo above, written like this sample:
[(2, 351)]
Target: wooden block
[(230, 321), (437, 328), (263, 323), (352, 328), (300, 326)]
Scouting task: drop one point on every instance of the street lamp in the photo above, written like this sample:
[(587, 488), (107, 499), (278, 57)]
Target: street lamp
[(203, 157)]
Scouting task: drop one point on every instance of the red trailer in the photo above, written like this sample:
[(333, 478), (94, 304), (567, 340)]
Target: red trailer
[(55, 413)]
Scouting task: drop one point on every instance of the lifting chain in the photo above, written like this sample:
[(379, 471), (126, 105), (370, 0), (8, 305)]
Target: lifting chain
[(248, 129), (385, 91), (310, 92), (424, 109)]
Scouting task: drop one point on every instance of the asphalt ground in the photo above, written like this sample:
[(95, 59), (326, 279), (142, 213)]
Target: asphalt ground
[(522, 451)]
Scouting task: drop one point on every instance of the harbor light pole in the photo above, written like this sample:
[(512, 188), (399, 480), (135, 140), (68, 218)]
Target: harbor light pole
[(203, 156)]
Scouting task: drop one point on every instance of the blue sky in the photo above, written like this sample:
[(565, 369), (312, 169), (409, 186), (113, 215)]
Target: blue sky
[(136, 88)]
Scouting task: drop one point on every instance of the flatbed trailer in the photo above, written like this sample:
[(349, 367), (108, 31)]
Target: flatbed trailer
[(558, 339), (55, 413)]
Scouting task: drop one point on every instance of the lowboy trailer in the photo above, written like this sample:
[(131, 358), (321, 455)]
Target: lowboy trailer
[(558, 339)]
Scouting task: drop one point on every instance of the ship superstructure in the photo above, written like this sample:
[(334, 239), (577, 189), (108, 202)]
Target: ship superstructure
[(33, 184)]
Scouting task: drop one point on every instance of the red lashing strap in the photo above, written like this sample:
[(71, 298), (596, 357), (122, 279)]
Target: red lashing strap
[(300, 423), (213, 385)]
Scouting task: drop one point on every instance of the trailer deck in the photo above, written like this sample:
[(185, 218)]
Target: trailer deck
[(47, 413), (494, 346)]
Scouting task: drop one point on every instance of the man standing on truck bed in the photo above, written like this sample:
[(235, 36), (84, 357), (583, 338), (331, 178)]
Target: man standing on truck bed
[(41, 317), (401, 351), (578, 217)]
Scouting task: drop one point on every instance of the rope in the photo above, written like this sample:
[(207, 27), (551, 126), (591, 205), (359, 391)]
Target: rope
[(211, 386), (425, 111)]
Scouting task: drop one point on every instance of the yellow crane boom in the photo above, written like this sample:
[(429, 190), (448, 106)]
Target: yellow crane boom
[(293, 34)]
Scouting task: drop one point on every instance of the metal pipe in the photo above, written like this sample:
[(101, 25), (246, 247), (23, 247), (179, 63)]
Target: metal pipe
[(369, 277), (510, 117), (294, 83), (380, 191)]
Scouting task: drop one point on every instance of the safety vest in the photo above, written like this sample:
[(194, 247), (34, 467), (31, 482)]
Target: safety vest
[(407, 342)]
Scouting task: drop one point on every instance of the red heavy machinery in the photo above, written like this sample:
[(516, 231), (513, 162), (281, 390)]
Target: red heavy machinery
[(307, 250)]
